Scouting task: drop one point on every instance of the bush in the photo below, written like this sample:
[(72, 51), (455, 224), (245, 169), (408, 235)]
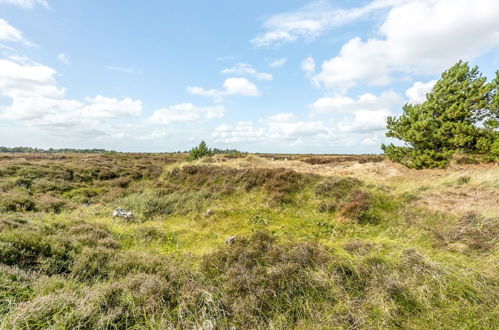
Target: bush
[(199, 152), (50, 203), (359, 207), (149, 204), (17, 201), (259, 280), (33, 250), (336, 187), (280, 184)]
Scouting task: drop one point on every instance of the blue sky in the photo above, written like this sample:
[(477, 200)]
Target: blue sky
[(278, 76)]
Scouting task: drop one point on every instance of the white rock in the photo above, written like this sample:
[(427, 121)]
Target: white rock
[(120, 213)]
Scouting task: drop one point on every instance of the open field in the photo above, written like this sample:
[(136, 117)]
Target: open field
[(282, 241)]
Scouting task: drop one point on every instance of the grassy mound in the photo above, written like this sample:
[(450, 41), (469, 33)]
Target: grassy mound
[(277, 249)]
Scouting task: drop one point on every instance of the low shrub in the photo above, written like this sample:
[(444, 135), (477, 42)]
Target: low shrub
[(50, 203), (259, 280), (327, 206), (337, 187), (34, 250), (280, 184), (359, 207), (148, 204), (17, 201)]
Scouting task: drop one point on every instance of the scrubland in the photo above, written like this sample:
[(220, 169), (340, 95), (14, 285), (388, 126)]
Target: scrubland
[(348, 242)]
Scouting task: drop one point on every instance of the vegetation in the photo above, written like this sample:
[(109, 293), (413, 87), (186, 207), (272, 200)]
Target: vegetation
[(202, 150), (52, 150), (285, 244), (460, 115)]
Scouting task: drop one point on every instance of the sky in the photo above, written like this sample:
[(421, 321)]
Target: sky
[(282, 76)]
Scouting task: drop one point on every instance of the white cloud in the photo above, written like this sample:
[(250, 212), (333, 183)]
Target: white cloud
[(64, 58), (417, 92), (365, 102), (308, 66), (288, 126), (366, 114), (311, 21), (106, 107), (155, 135), (240, 86), (37, 100), (418, 36), (185, 113), (214, 93), (247, 70), (284, 127), (243, 131), (365, 121), (11, 34), (231, 86), (278, 63), (27, 4), (21, 79)]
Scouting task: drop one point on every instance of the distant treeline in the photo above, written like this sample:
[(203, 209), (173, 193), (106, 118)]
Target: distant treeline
[(53, 151)]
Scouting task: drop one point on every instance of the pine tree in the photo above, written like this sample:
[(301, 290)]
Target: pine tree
[(449, 121), (200, 151)]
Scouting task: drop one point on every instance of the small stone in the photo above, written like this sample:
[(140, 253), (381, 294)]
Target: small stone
[(230, 240), (209, 213), (120, 213)]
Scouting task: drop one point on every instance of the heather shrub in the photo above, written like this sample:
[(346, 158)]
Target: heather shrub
[(17, 201), (336, 187), (50, 203), (359, 207), (280, 184), (149, 203), (34, 250), (257, 279)]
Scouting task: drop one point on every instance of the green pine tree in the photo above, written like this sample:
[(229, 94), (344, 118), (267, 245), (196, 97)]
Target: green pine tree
[(457, 116), (200, 151)]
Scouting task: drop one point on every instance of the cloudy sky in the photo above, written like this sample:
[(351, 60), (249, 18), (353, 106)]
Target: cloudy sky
[(268, 76)]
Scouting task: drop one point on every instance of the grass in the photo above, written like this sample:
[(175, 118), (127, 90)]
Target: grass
[(330, 247)]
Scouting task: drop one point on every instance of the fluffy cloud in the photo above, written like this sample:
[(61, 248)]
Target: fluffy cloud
[(231, 86), (288, 126), (64, 58), (365, 121), (418, 36), (243, 131), (247, 70), (106, 107), (11, 34), (283, 127), (240, 86), (311, 21), (417, 92), (27, 4), (154, 136), (278, 63), (186, 112), (365, 102), (19, 79), (214, 93), (36, 99)]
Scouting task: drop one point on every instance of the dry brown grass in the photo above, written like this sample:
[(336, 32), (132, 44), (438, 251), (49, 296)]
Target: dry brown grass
[(437, 189)]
